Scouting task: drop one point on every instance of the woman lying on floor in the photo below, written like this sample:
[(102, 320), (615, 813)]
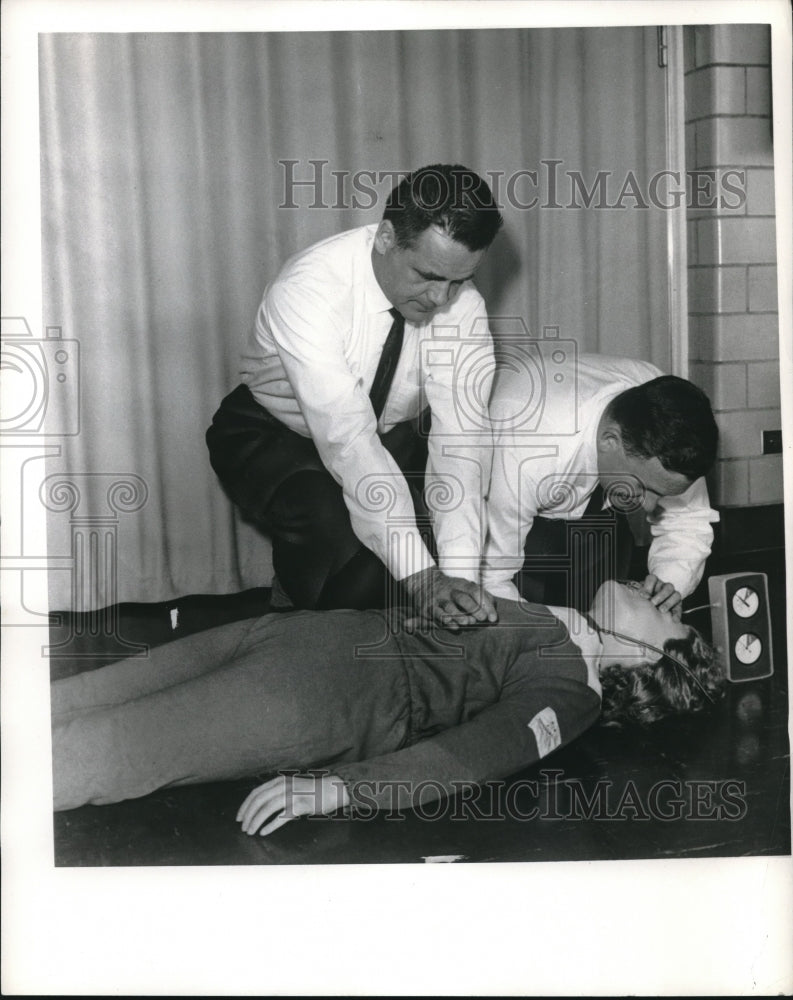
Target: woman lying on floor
[(388, 713)]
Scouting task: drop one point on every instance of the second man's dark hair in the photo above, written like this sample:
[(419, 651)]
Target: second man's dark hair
[(668, 418), (449, 196)]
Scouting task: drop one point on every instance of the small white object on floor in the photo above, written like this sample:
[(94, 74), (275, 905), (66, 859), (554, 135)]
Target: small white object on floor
[(436, 859), (174, 618)]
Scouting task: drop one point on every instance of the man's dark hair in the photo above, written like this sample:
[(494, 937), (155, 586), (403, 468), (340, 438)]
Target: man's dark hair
[(670, 419), (451, 197)]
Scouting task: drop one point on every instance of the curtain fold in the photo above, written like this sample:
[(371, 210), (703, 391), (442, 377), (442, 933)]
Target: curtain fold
[(165, 209)]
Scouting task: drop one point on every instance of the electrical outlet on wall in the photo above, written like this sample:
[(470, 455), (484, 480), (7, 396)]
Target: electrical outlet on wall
[(772, 442)]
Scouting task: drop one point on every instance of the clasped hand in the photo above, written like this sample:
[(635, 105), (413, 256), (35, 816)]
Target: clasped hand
[(450, 601)]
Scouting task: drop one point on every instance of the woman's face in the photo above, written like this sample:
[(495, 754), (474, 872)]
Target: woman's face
[(624, 608)]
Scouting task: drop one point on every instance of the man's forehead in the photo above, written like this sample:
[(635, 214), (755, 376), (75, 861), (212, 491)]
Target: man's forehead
[(436, 251)]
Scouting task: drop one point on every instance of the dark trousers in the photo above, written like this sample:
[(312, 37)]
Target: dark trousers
[(277, 479), (566, 561)]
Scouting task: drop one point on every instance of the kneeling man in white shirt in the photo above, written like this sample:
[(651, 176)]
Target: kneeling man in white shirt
[(614, 439)]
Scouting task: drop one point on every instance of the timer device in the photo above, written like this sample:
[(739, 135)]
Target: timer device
[(742, 624)]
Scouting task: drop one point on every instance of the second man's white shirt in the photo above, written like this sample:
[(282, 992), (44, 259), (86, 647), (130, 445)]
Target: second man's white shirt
[(545, 463)]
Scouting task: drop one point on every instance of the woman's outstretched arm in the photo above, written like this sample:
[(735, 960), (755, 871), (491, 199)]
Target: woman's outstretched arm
[(535, 716)]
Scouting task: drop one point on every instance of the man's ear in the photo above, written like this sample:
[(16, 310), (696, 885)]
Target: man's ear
[(609, 439), (385, 237)]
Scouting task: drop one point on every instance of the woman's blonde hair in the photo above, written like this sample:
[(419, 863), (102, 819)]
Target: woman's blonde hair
[(687, 678)]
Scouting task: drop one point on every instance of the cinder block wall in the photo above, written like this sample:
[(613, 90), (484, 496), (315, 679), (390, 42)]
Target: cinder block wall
[(733, 320)]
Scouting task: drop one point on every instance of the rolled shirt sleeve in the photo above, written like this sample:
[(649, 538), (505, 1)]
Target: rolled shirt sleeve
[(681, 537)]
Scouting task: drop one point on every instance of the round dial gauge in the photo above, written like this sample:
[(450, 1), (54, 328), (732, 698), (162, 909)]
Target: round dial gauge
[(745, 602), (748, 647)]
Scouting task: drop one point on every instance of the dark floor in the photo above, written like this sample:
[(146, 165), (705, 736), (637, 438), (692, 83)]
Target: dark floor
[(714, 786)]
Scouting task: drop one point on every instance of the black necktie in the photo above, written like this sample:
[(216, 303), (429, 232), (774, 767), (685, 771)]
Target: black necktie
[(596, 499), (384, 375)]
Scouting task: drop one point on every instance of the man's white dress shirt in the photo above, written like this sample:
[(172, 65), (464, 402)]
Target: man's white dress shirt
[(311, 359), (545, 418)]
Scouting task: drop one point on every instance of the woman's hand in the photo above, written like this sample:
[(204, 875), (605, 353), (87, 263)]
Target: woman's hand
[(288, 796)]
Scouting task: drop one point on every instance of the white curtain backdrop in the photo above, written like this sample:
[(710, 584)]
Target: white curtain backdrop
[(163, 194)]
